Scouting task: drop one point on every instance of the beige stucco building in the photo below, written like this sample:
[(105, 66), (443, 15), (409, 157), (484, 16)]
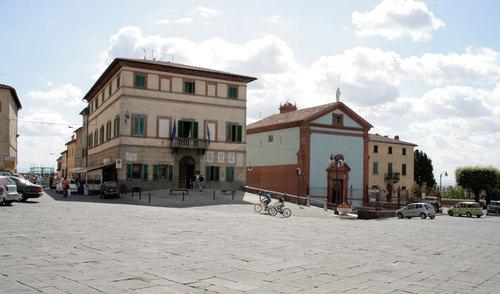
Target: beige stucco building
[(153, 124), (9, 106), (391, 166)]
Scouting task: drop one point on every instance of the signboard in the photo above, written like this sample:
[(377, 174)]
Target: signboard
[(130, 156), (118, 163)]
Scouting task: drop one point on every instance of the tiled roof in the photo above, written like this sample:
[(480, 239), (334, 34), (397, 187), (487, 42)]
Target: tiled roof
[(288, 117), (13, 93), (384, 139)]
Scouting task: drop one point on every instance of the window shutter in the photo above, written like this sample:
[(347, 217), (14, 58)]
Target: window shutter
[(141, 125), (230, 133), (129, 171), (217, 170), (229, 174), (145, 172), (240, 128), (195, 130), (170, 170), (207, 173), (180, 132), (155, 172)]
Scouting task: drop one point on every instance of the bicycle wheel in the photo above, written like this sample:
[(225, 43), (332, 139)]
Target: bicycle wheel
[(272, 210), (257, 207), (287, 212)]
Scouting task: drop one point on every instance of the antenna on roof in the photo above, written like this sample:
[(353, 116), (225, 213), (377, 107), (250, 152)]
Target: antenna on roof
[(145, 53), (152, 54)]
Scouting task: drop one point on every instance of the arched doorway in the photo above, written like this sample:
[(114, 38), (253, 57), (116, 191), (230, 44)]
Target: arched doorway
[(337, 183), (186, 171)]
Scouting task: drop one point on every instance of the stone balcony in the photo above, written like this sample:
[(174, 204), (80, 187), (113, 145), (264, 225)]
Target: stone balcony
[(190, 143)]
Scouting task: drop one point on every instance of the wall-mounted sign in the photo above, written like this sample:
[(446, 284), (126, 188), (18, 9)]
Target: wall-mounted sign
[(118, 163), (220, 156), (130, 156)]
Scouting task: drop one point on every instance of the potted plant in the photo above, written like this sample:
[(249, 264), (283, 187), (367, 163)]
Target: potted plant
[(344, 208)]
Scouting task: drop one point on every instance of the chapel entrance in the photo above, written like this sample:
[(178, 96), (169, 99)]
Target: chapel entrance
[(338, 180), (186, 171)]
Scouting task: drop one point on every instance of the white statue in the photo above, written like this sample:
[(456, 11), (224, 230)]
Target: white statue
[(338, 94)]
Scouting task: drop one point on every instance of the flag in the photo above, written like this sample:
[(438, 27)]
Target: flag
[(174, 131), (209, 136)]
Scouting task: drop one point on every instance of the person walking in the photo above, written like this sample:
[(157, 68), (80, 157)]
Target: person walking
[(65, 186)]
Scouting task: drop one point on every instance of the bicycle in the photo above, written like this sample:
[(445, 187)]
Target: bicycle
[(286, 212), (271, 210)]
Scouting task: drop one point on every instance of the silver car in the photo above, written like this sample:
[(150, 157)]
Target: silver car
[(8, 191), (493, 207), (422, 210)]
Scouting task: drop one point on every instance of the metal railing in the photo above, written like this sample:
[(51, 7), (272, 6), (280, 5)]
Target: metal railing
[(190, 143), (392, 177)]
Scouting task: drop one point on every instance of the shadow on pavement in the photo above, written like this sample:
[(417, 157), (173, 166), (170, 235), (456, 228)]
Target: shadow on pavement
[(159, 199)]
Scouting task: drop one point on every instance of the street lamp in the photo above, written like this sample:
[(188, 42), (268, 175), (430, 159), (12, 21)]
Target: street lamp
[(299, 172), (440, 180)]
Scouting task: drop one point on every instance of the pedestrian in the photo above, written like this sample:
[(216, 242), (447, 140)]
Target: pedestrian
[(202, 182), (193, 181), (39, 180), (65, 186), (51, 181)]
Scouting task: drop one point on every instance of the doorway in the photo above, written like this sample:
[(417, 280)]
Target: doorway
[(388, 197), (186, 171)]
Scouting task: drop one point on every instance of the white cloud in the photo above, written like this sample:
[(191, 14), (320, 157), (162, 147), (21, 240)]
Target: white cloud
[(184, 20), (206, 12), (454, 102), (278, 19), (396, 19), (68, 94), (163, 22)]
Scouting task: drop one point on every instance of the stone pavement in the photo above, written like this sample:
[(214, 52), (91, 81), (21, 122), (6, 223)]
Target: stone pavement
[(88, 245)]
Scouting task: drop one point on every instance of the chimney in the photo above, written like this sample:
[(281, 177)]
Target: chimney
[(287, 107), (396, 137)]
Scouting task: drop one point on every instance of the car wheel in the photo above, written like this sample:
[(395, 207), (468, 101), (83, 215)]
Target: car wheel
[(478, 216), (23, 198), (450, 213), (7, 203), (423, 215), (400, 215), (468, 214), (431, 216)]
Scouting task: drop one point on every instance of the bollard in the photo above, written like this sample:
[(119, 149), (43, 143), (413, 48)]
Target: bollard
[(213, 194), (140, 195), (182, 196), (325, 205), (233, 194), (132, 193), (149, 198)]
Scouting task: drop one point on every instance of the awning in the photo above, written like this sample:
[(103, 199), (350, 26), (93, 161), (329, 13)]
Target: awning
[(78, 170), (100, 166)]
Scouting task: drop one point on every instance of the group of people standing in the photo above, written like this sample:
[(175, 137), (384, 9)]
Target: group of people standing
[(197, 180)]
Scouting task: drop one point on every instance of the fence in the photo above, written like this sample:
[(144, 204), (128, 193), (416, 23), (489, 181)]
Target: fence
[(318, 197)]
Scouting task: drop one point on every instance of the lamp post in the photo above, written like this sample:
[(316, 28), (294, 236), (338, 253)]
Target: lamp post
[(440, 179), (299, 172)]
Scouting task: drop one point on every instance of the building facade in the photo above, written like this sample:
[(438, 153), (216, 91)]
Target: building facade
[(391, 167), (153, 124), (295, 151), (9, 107)]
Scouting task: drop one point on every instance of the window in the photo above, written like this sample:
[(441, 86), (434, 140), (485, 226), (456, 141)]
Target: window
[(232, 92), (108, 130), (102, 97), (188, 129), (375, 148), (96, 103), (417, 206), (138, 125), (116, 126), (163, 172), (403, 169), (390, 150), (404, 151), (270, 138), (134, 171), (163, 127), (90, 141), (101, 135), (338, 119), (234, 133), (189, 87), (403, 188), (118, 81), (96, 138), (109, 90), (139, 81), (229, 173), (212, 173), (389, 168), (375, 168), (144, 172)]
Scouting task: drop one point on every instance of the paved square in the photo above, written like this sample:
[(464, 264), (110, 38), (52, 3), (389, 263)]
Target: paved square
[(127, 246)]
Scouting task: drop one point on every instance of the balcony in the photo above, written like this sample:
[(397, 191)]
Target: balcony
[(392, 177), (190, 143)]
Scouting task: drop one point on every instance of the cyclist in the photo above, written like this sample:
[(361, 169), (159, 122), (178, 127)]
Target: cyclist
[(267, 200), (280, 204)]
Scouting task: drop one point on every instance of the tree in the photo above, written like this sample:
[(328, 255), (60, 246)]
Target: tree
[(478, 179), (423, 170)]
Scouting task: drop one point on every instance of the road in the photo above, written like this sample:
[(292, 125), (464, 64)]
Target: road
[(89, 245)]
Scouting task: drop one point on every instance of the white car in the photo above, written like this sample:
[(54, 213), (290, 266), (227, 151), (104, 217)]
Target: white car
[(73, 189), (422, 210), (8, 191)]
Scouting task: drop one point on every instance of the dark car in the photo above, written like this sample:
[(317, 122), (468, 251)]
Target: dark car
[(27, 189), (493, 207), (109, 189)]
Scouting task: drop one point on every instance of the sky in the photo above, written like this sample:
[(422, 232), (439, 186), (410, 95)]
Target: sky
[(428, 71)]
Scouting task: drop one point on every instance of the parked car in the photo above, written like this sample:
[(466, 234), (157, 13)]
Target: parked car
[(493, 207), (27, 189), (73, 189), (466, 208), (422, 210), (9, 191), (109, 189)]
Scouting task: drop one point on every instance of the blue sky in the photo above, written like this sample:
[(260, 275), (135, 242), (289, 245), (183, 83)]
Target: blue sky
[(428, 71)]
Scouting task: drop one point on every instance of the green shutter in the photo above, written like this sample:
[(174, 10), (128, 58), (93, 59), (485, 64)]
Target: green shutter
[(195, 130), (170, 171), (207, 173), (389, 167), (217, 170), (129, 171), (141, 125), (180, 132), (145, 172), (155, 172), (239, 133), (229, 174), (230, 133)]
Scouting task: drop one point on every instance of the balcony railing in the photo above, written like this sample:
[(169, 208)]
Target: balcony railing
[(190, 143), (392, 177)]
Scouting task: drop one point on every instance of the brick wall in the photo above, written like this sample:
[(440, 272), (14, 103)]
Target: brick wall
[(279, 178)]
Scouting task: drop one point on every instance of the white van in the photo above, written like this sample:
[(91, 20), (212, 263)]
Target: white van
[(8, 191)]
